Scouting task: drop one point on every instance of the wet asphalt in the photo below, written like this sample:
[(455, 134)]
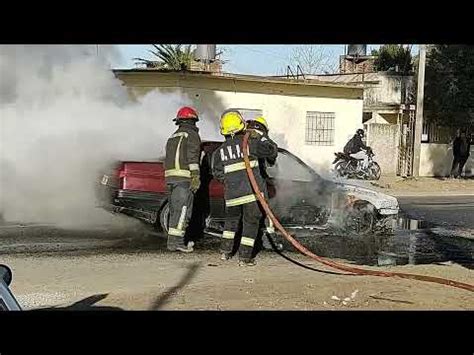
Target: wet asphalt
[(443, 210)]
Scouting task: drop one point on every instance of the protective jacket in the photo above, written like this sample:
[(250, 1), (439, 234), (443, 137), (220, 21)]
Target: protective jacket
[(183, 151), (228, 166)]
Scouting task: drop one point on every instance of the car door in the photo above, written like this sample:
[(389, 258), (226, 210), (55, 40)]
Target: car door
[(212, 190), (297, 192)]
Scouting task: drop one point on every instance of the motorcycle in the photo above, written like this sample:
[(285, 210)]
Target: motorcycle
[(352, 168)]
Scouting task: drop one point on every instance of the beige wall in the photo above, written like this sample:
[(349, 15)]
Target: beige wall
[(387, 91), (383, 139), (436, 160), (286, 114)]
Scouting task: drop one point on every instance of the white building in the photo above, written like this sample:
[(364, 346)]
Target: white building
[(312, 119)]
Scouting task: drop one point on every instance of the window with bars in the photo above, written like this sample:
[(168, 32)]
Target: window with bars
[(320, 128)]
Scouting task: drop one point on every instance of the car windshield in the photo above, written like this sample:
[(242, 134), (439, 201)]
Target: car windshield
[(287, 167)]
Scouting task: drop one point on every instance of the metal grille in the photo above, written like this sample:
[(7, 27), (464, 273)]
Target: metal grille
[(320, 128), (406, 122), (434, 133)]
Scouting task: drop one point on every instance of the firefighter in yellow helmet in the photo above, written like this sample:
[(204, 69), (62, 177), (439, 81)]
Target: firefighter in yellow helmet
[(260, 124), (260, 127), (240, 201)]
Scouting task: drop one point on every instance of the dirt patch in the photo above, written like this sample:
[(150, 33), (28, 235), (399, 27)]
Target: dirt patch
[(439, 186), (145, 281)]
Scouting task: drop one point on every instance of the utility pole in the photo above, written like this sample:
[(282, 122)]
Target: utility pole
[(419, 111)]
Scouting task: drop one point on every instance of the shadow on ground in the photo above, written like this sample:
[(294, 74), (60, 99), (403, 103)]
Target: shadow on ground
[(86, 304), (166, 296)]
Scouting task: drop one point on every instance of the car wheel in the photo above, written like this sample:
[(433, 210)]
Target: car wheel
[(361, 218), (164, 217), (385, 224)]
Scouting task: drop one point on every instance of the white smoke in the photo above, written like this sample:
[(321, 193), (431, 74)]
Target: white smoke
[(63, 117)]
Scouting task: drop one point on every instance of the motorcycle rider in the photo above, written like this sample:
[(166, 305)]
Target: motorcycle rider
[(182, 175), (241, 203), (356, 148)]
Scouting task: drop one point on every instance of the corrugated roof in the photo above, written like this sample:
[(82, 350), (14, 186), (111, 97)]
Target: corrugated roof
[(348, 78)]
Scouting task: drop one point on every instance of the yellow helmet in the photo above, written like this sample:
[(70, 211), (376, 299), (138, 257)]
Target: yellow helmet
[(263, 121), (232, 122)]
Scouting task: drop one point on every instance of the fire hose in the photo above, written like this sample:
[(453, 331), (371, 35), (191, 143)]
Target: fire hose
[(339, 266)]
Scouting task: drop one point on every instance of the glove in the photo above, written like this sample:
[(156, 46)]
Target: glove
[(195, 182)]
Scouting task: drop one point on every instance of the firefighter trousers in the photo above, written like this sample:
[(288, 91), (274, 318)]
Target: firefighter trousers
[(249, 214), (181, 207)]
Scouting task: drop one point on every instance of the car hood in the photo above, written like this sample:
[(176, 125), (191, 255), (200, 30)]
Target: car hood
[(386, 204)]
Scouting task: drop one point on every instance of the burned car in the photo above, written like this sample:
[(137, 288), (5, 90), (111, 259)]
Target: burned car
[(299, 196)]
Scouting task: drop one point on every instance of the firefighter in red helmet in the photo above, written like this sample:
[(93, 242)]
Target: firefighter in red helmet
[(182, 175)]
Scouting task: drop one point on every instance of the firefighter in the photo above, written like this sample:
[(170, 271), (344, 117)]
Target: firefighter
[(260, 125), (240, 201), (182, 175)]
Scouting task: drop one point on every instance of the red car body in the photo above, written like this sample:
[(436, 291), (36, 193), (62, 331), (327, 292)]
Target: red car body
[(139, 189)]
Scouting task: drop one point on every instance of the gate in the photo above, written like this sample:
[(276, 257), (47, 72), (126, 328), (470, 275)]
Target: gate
[(406, 122)]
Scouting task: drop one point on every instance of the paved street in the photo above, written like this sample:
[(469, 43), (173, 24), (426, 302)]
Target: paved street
[(441, 210)]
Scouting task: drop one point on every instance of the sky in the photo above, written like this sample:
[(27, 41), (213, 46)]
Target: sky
[(241, 59)]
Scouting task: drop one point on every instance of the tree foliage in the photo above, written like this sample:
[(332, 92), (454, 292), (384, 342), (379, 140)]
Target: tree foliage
[(449, 85), (170, 57), (393, 57)]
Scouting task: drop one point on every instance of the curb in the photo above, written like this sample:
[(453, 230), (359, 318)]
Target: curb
[(429, 194)]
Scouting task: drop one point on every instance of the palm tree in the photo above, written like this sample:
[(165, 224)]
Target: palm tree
[(171, 57)]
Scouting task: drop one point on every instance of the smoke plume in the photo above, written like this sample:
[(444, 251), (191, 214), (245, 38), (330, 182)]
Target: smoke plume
[(63, 117)]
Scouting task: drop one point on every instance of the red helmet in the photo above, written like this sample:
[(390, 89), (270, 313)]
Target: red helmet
[(186, 113)]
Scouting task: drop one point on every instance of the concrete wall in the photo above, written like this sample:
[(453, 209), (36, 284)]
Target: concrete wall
[(377, 118), (437, 159), (286, 115), (380, 88), (384, 138), (388, 90)]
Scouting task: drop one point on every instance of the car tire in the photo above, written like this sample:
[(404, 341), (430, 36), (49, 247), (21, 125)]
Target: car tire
[(385, 224), (164, 217), (361, 218)]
